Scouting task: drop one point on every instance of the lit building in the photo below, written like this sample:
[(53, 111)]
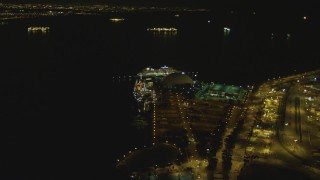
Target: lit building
[(177, 81)]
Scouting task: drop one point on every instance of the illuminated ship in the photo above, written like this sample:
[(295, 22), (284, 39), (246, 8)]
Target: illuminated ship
[(38, 29), (147, 79), (116, 19), (162, 29)]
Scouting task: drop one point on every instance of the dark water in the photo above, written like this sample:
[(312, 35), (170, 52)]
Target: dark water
[(62, 116)]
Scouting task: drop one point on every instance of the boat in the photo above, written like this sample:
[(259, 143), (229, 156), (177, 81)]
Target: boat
[(116, 19), (38, 29), (162, 29)]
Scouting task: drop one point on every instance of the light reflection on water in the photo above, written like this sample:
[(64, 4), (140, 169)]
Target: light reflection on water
[(164, 34)]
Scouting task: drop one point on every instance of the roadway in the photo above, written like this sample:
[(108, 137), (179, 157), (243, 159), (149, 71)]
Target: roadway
[(294, 136), (175, 110)]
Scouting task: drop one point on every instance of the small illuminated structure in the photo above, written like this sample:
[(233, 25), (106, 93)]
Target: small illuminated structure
[(288, 36), (38, 29), (116, 19), (226, 31), (163, 29)]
